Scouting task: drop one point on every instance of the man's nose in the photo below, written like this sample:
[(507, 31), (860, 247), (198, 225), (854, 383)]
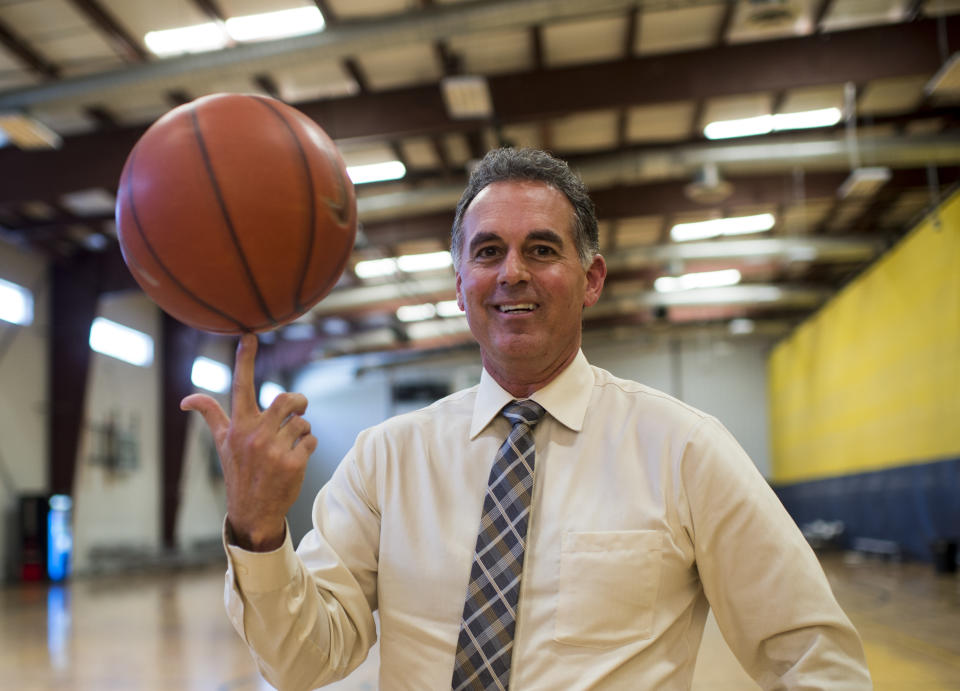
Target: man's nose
[(513, 269)]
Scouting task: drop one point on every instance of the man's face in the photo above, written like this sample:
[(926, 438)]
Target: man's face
[(520, 279)]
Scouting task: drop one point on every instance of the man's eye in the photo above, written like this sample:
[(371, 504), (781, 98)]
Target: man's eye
[(543, 250), (487, 252)]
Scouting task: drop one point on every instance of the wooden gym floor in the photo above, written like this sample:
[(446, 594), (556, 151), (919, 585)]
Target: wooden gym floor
[(167, 630)]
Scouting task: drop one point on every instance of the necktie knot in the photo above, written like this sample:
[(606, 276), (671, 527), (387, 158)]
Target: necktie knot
[(523, 412)]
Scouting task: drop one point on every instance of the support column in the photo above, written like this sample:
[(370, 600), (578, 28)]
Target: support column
[(74, 291), (179, 349)]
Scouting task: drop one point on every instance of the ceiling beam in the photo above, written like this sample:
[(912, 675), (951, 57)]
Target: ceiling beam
[(345, 39), (31, 58), (95, 159), (859, 56), (119, 38)]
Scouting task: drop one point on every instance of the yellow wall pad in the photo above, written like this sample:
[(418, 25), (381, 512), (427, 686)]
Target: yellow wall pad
[(873, 379)]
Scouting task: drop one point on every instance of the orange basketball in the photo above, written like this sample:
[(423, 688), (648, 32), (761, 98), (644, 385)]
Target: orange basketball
[(235, 213)]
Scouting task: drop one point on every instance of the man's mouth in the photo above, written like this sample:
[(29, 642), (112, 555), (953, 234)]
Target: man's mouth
[(518, 308)]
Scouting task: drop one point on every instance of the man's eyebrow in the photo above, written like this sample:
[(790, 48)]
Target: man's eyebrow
[(482, 237), (546, 235)]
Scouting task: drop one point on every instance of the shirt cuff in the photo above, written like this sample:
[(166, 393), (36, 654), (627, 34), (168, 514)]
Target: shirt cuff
[(261, 572)]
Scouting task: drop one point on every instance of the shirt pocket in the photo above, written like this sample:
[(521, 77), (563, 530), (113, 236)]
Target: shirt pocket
[(608, 587)]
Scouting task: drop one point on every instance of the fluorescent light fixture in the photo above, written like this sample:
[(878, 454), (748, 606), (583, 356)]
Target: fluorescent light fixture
[(198, 38), (467, 96), (27, 133), (429, 261), (373, 268), (735, 225), (448, 308), (703, 279), (376, 172), (121, 342), (269, 390), (281, 24), (863, 183), (807, 119), (416, 313), (16, 303), (741, 327), (742, 127), (210, 375), (425, 262), (95, 201), (764, 124)]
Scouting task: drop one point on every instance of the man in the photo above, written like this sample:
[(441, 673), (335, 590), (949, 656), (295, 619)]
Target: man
[(614, 521)]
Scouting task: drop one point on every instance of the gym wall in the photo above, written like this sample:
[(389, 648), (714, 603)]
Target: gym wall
[(865, 397)]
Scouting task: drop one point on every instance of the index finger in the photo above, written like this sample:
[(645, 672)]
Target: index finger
[(243, 394)]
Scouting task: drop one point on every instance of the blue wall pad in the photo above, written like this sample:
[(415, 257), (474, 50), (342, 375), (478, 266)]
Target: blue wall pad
[(911, 505)]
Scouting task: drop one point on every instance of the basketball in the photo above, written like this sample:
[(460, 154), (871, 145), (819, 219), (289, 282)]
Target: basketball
[(235, 213)]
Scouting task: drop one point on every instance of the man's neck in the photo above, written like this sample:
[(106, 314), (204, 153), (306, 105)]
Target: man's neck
[(521, 382)]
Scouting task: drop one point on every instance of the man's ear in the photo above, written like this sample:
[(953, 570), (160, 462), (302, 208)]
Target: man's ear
[(596, 275), (460, 294)]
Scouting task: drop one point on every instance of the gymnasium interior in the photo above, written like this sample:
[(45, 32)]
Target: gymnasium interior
[(819, 320)]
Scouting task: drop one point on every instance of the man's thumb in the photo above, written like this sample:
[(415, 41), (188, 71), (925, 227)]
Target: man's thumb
[(205, 405)]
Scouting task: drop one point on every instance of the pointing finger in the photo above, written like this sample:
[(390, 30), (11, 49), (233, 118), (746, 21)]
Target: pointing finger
[(243, 395)]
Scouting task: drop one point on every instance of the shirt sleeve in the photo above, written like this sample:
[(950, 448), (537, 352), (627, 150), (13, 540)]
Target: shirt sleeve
[(770, 596), (307, 615)]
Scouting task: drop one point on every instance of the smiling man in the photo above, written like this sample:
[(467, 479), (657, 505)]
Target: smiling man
[(554, 527), (523, 283)]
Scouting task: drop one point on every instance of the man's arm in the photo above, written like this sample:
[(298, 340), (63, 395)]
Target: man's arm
[(307, 616), (303, 622), (765, 585)]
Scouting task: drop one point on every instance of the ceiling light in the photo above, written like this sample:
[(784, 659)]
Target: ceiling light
[(372, 268), (268, 391), (198, 38), (210, 375), (467, 97), (448, 308), (28, 133), (742, 127), (736, 225), (416, 313), (281, 24), (16, 303), (864, 182), (741, 327), (424, 262), (376, 172), (95, 201), (121, 342), (764, 124), (703, 279), (807, 119)]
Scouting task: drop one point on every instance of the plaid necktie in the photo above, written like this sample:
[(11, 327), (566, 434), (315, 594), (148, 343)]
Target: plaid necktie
[(490, 611)]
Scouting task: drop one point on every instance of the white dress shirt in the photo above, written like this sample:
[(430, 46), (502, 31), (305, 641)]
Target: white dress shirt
[(645, 513)]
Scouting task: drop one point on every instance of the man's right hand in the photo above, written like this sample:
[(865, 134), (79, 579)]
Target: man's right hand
[(263, 454)]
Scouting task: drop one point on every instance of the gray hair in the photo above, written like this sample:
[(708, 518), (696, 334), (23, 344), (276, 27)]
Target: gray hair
[(509, 164)]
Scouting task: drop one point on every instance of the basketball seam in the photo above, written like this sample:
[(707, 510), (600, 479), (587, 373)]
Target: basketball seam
[(312, 227), (153, 253), (208, 163)]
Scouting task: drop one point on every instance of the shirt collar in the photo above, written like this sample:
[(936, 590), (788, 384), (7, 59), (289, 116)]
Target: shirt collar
[(565, 398)]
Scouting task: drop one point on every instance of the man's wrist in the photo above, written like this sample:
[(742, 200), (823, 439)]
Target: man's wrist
[(257, 540)]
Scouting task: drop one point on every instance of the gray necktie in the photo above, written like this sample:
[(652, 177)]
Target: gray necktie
[(490, 610)]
